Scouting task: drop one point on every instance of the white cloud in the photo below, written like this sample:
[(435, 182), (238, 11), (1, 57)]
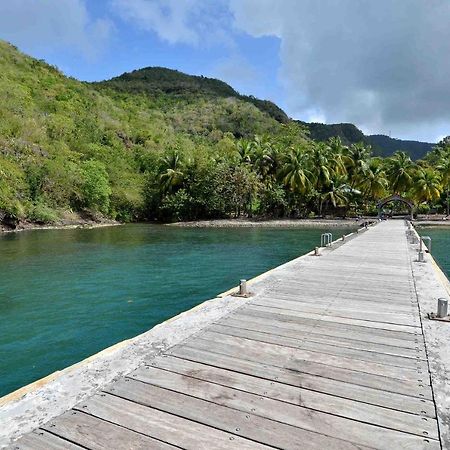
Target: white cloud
[(380, 64), (53, 24), (193, 22)]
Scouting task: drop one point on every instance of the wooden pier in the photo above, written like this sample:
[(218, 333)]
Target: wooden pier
[(329, 353)]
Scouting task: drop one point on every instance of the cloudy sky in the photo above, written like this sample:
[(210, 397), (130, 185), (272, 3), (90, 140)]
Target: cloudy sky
[(381, 64)]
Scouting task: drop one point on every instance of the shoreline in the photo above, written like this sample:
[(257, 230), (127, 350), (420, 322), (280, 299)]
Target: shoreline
[(273, 223), (85, 224), (221, 223)]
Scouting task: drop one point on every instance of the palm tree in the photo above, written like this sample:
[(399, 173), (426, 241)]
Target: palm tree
[(265, 157), (294, 173), (170, 172), (335, 193), (375, 183), (427, 185), (356, 162), (337, 151), (320, 165), (399, 171), (444, 169)]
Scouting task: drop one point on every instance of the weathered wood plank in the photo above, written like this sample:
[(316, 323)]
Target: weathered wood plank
[(345, 374), (256, 311), (93, 433), (322, 347), (298, 355), (246, 425), (364, 394), (296, 415), (411, 329), (290, 289), (311, 335), (163, 426), (369, 303), (43, 440), (349, 311), (324, 330), (317, 401)]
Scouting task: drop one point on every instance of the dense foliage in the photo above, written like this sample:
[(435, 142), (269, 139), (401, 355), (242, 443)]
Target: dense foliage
[(155, 81), (180, 148)]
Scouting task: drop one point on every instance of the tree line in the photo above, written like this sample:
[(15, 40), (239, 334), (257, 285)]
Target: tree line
[(291, 176)]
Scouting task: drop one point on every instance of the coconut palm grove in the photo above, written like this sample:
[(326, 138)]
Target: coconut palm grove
[(156, 144)]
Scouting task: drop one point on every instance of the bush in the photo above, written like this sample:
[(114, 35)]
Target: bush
[(177, 207), (41, 213), (95, 186)]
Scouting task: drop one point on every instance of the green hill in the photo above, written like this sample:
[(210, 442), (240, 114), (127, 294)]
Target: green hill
[(156, 81), (347, 132), (66, 145), (381, 145), (385, 145)]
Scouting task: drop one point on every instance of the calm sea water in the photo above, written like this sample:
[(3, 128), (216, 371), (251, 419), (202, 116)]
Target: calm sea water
[(440, 245), (67, 294)]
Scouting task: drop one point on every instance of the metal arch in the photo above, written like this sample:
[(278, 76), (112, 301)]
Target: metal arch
[(395, 198)]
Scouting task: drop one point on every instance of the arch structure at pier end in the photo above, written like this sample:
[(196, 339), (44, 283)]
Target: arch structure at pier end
[(395, 198)]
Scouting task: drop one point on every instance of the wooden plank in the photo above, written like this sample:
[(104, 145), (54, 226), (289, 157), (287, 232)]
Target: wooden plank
[(163, 426), (43, 440), (297, 355), (358, 432), (312, 335), (359, 354), (353, 291), (368, 302), (410, 329), (344, 374), (95, 434), (325, 330), (317, 401), (346, 278), (246, 425), (373, 396), (348, 311), (256, 311)]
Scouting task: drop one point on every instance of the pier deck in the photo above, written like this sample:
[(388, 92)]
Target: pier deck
[(329, 354)]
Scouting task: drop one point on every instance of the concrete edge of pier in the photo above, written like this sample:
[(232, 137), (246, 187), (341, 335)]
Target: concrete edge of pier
[(33, 405), (430, 284)]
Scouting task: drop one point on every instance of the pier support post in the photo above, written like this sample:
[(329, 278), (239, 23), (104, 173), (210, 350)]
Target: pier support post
[(243, 287), (428, 239), (442, 308)]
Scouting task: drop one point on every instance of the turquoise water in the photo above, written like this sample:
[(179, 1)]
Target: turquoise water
[(440, 245), (67, 294)]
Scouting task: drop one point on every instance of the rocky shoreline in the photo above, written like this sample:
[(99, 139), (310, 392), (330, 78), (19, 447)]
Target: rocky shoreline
[(28, 226), (276, 223)]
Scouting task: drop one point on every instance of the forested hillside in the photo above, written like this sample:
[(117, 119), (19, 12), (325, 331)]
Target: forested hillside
[(158, 144), (381, 145), (385, 146), (155, 81)]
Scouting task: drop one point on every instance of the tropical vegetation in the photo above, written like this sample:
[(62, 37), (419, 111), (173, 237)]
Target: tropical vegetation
[(160, 145)]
